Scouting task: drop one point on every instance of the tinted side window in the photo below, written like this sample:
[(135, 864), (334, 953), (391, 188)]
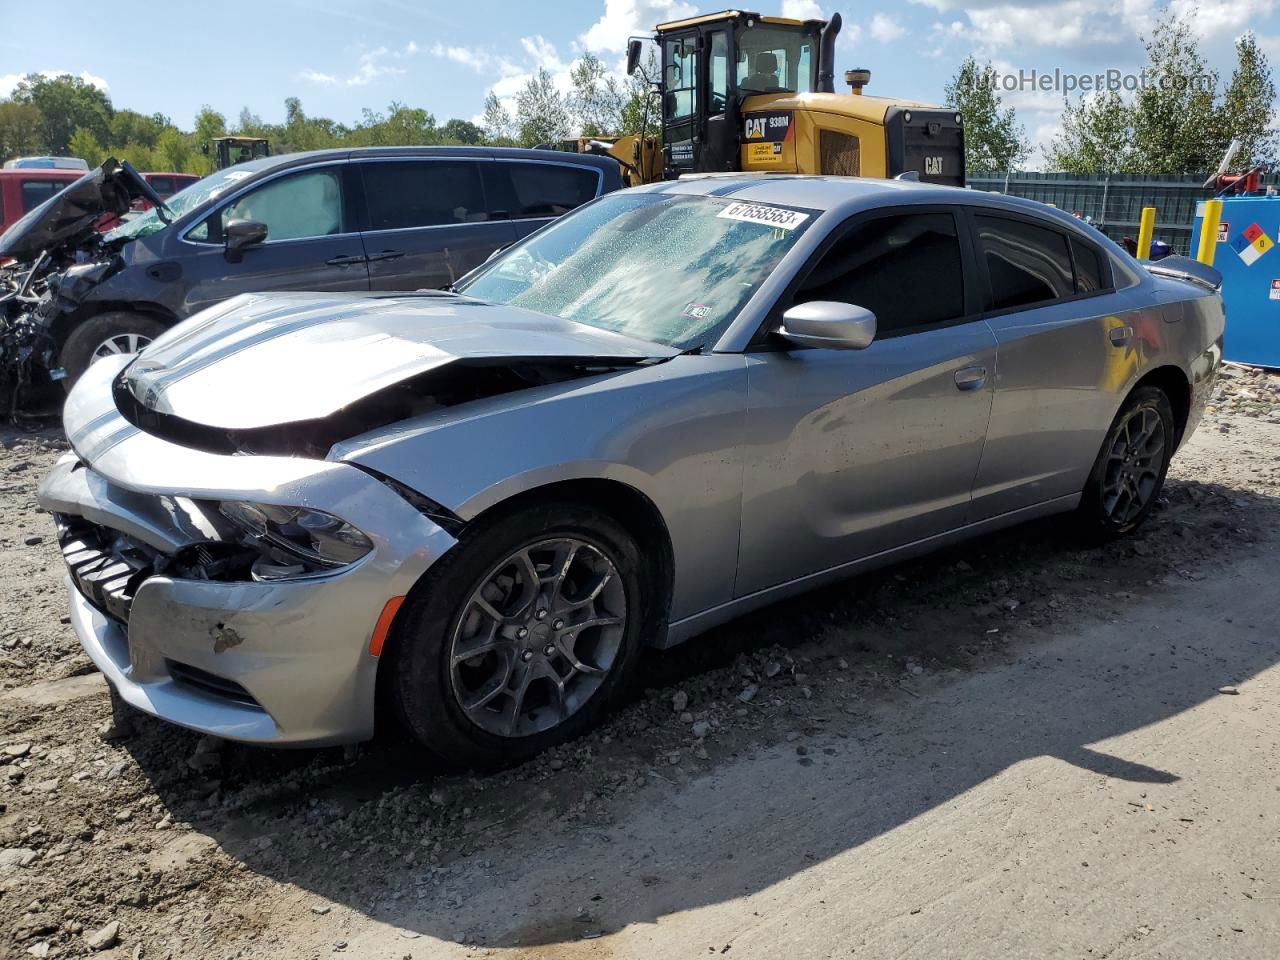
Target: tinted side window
[(36, 192), (1089, 268), (548, 190), (162, 185), (294, 207), (1027, 264), (426, 193), (905, 269)]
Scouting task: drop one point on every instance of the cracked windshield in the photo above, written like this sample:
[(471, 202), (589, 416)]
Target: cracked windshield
[(602, 266)]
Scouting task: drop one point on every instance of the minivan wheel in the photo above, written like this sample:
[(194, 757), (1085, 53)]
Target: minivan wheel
[(105, 335), (1129, 473), (521, 636)]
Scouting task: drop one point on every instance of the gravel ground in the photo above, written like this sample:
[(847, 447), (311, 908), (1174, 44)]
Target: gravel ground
[(1015, 747)]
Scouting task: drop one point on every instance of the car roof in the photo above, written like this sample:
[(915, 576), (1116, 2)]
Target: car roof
[(845, 196), (42, 173), (361, 153)]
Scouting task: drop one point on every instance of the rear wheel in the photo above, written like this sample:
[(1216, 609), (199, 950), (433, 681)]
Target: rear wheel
[(521, 636), (106, 335), (1131, 466)]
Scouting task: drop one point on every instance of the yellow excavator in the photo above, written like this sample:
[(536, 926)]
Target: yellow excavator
[(744, 92)]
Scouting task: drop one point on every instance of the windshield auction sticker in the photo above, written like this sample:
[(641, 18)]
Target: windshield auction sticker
[(763, 214)]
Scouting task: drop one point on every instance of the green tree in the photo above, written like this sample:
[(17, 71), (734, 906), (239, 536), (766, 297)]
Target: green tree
[(66, 103), (462, 131), (131, 127), (542, 115), (1173, 115), (597, 100), (499, 128), (21, 130), (993, 138), (173, 151), (1247, 106), (86, 146), (1097, 136)]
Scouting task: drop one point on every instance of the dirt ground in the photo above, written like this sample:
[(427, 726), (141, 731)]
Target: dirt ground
[(1018, 747)]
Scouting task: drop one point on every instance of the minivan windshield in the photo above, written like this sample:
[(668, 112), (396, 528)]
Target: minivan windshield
[(181, 203), (672, 269)]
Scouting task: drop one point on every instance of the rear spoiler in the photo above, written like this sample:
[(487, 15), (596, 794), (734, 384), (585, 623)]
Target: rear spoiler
[(1184, 268)]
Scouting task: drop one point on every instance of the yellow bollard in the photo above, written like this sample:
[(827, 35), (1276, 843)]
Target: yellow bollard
[(1209, 231), (1146, 232)]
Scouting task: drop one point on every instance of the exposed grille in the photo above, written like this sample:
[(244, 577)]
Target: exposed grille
[(207, 682), (839, 154), (106, 566)]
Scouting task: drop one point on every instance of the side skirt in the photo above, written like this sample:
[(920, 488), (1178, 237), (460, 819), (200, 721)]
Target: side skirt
[(682, 630)]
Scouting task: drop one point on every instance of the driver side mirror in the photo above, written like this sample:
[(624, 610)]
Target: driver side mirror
[(829, 324), (239, 234), (633, 56)]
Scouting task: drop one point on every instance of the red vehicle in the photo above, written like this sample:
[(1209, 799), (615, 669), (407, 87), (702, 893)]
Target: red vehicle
[(166, 184), (24, 189)]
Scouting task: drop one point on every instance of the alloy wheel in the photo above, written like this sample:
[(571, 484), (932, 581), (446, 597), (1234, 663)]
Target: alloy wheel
[(120, 343), (1134, 463), (537, 637)]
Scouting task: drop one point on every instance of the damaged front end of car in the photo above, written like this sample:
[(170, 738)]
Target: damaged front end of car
[(49, 262)]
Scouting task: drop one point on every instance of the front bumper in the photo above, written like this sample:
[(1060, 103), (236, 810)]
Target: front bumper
[(280, 662)]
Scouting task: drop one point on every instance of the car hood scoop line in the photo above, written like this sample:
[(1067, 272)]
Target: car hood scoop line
[(293, 374)]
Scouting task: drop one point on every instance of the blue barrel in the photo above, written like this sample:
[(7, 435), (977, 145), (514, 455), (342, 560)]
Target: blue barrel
[(1248, 257)]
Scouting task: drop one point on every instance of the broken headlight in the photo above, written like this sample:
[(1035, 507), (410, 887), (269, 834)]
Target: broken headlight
[(296, 541)]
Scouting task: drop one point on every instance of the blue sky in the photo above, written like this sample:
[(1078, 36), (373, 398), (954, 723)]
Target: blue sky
[(339, 56)]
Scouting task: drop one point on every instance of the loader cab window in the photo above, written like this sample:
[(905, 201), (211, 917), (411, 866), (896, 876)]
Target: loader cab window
[(718, 73), (680, 66), (776, 60)]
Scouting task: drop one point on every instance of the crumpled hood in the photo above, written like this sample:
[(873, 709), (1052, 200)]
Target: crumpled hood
[(67, 218), (260, 360)]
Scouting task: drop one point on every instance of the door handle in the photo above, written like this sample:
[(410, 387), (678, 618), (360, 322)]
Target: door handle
[(1120, 336), (386, 255), (345, 261), (971, 378)]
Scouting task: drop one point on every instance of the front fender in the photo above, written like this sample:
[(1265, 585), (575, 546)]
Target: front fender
[(672, 431)]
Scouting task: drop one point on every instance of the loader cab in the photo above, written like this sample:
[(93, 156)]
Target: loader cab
[(709, 64)]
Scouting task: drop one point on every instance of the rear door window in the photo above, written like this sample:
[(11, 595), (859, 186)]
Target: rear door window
[(905, 269), (1028, 265), (549, 189), (1091, 273), (402, 194)]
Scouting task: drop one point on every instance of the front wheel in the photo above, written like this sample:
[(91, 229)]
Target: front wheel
[(521, 636), (1129, 473), (105, 335)]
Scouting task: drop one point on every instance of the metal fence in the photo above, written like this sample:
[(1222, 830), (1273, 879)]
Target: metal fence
[(1113, 202)]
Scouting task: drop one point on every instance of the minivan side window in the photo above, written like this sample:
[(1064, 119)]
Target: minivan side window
[(294, 207), (549, 189), (906, 269), (36, 192), (401, 194), (1028, 264)]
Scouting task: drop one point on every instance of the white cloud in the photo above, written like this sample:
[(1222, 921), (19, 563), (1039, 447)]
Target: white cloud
[(802, 10), (1209, 18), (10, 80), (370, 65), (623, 19), (885, 29), (477, 60)]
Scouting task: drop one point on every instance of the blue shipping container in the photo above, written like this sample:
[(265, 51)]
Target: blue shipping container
[(1248, 257)]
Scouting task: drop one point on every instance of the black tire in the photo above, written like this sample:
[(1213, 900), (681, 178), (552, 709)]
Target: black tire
[(1103, 513), (81, 344), (421, 683)]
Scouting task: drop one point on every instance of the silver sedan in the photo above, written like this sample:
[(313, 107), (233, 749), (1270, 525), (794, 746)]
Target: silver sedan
[(670, 407)]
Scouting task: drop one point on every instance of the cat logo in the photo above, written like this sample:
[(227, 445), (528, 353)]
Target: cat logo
[(933, 166), (756, 128)]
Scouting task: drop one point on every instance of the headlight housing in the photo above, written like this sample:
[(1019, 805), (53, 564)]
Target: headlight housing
[(296, 541)]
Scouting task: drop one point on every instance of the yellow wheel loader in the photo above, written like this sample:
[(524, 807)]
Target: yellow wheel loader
[(740, 91)]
